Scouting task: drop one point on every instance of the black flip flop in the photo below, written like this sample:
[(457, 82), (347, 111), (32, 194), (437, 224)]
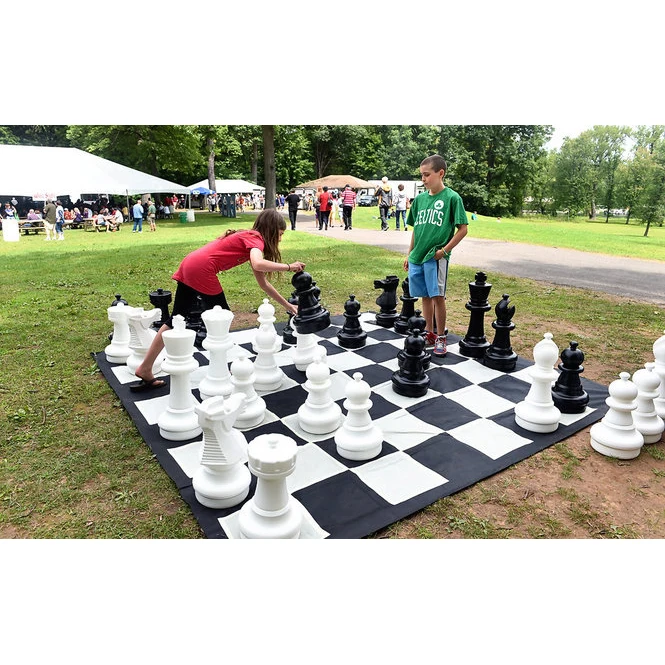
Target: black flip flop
[(153, 384)]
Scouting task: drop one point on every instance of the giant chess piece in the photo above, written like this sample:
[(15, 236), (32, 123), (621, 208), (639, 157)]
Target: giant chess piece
[(267, 317), (411, 380), (616, 435), (646, 420), (659, 369), (218, 342), (311, 316), (417, 322), (474, 344), (179, 422), (352, 336), (499, 354), (118, 350), (242, 377), (408, 309), (118, 299), (268, 375), (222, 480), (387, 301), (194, 321), (271, 512), (537, 412), (358, 438), (567, 393), (160, 299), (287, 334), (304, 351), (319, 414), (141, 336)]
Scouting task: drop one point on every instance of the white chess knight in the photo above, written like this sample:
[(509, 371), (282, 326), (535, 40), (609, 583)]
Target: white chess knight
[(537, 412), (271, 512), (267, 317), (659, 369), (646, 420), (218, 343), (616, 435), (319, 414), (358, 438), (179, 422), (141, 336), (222, 480), (118, 350)]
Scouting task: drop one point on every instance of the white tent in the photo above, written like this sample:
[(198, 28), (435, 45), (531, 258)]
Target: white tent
[(230, 186), (43, 172)]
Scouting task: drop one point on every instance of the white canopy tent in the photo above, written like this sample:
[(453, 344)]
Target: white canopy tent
[(43, 172), (230, 186)]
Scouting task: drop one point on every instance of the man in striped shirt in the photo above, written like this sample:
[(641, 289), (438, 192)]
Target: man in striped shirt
[(348, 204)]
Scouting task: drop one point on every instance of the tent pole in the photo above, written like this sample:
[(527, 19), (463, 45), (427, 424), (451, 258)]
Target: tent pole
[(127, 195)]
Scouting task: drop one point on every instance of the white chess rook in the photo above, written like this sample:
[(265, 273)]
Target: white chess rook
[(358, 438), (222, 480), (242, 377), (271, 512), (319, 414), (218, 343), (141, 336), (646, 420), (537, 412), (659, 369), (179, 422), (118, 350), (616, 435)]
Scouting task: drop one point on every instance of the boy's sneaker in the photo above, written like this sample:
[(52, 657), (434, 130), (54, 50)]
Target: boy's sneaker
[(430, 340), (440, 347)]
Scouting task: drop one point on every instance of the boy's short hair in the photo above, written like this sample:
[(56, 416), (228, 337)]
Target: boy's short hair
[(436, 162)]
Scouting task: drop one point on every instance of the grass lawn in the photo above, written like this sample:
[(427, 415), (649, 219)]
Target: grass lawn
[(72, 464)]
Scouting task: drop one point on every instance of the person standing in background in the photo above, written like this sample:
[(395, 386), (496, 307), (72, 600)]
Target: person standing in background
[(385, 195), (137, 213), (400, 206), (293, 200), (49, 220)]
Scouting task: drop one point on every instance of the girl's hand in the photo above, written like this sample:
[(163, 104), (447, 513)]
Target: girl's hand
[(297, 266), (293, 309)]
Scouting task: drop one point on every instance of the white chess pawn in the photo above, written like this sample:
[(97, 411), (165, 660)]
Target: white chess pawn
[(242, 377), (218, 343), (319, 414), (267, 317), (659, 369), (222, 480), (304, 351), (616, 435), (358, 438), (646, 420), (179, 422), (271, 512), (537, 412), (118, 350), (141, 336), (267, 374)]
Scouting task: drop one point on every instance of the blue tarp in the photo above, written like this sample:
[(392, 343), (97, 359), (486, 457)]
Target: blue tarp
[(201, 190)]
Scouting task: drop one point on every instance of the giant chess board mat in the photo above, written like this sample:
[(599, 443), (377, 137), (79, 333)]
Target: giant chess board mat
[(462, 431)]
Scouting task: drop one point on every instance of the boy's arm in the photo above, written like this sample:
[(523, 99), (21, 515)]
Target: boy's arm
[(446, 250), (406, 260)]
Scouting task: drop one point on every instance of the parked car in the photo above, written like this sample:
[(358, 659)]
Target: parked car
[(368, 200)]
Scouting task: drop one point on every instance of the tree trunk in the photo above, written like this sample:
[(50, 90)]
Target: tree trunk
[(269, 164), (255, 161), (646, 231), (211, 164)]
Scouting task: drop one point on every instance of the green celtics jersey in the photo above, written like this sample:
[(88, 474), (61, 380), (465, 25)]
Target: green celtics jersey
[(434, 219)]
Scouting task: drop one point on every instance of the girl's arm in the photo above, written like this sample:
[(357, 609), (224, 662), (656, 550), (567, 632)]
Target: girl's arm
[(270, 290), (259, 264)]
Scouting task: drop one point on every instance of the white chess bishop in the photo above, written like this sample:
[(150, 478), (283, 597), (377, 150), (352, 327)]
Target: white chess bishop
[(271, 512), (358, 438), (222, 480), (646, 420), (118, 350), (537, 412), (616, 435), (218, 343), (319, 414)]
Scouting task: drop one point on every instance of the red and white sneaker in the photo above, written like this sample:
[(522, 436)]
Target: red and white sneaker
[(440, 346), (430, 340)]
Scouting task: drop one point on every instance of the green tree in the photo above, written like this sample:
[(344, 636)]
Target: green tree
[(651, 205)]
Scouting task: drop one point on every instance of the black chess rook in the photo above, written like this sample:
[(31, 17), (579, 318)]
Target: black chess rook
[(474, 344), (387, 301), (499, 354), (160, 299)]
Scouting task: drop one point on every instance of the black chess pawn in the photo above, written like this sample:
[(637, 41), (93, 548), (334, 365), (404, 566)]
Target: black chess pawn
[(416, 322), (408, 307), (352, 336), (195, 322), (161, 299), (410, 379), (568, 394), (118, 299), (499, 354), (287, 334), (387, 301), (474, 344), (311, 316)]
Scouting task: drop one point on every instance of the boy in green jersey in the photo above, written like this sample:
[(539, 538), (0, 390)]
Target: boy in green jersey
[(439, 224)]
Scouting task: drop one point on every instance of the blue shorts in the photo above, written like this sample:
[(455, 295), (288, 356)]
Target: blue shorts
[(428, 279)]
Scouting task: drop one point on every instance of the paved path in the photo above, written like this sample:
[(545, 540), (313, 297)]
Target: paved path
[(640, 280)]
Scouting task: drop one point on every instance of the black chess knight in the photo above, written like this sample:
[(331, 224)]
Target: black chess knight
[(387, 301)]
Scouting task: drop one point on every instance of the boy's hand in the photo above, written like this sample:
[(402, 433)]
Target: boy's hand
[(406, 264)]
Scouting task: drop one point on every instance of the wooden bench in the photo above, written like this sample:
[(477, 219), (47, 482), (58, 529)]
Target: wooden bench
[(31, 226)]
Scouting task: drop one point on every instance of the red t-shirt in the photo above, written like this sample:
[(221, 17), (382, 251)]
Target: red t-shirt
[(326, 201), (199, 268)]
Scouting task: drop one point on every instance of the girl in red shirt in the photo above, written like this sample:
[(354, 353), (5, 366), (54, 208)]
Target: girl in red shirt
[(197, 276)]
